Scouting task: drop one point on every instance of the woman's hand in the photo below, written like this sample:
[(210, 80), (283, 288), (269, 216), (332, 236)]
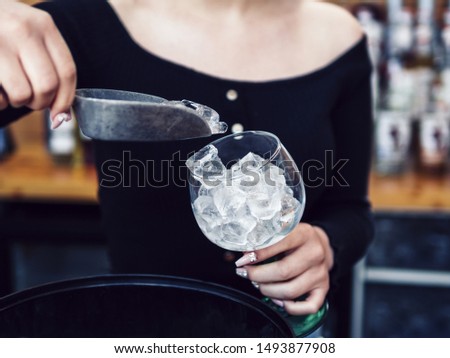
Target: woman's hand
[(303, 268), (37, 68)]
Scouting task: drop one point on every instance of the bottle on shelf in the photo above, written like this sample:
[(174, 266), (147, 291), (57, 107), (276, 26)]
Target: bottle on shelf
[(432, 91), (434, 139), (433, 128), (425, 56), (442, 85), (400, 34), (393, 119)]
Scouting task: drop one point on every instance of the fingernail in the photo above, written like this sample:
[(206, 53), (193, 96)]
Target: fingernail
[(255, 285), (278, 302), (242, 272), (61, 117), (55, 124), (246, 259)]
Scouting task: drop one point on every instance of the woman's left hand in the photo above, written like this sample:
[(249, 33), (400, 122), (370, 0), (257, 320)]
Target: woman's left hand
[(303, 269)]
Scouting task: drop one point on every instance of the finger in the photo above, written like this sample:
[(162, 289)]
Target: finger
[(285, 269), (312, 304), (59, 119), (293, 263), (65, 69), (289, 290), (296, 238), (288, 243), (16, 88), (41, 73)]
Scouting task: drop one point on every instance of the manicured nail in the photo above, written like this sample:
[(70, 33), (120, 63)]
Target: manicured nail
[(59, 118), (255, 285), (278, 302), (246, 259), (242, 272)]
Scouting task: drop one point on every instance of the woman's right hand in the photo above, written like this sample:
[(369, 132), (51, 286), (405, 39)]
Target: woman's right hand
[(37, 68)]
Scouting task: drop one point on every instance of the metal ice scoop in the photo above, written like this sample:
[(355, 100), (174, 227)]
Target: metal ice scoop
[(128, 116)]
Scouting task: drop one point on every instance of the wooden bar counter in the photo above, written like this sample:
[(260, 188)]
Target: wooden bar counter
[(410, 192), (30, 174)]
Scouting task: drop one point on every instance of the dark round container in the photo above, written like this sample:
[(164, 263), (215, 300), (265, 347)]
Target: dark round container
[(137, 306)]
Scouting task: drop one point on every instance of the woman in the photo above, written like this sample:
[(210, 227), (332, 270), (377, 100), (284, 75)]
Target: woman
[(298, 69)]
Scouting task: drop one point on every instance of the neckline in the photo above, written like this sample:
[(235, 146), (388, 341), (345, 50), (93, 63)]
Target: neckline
[(121, 28)]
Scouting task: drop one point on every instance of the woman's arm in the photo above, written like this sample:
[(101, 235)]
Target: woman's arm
[(317, 254), (342, 227), (345, 212), (37, 68)]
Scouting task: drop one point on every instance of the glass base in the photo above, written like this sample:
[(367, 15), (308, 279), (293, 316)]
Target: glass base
[(302, 326)]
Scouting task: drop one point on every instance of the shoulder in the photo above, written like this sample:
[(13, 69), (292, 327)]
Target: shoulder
[(332, 26)]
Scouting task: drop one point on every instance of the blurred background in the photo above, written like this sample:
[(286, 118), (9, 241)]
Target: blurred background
[(49, 217)]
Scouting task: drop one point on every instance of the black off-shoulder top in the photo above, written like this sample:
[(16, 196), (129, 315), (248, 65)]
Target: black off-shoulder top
[(323, 118)]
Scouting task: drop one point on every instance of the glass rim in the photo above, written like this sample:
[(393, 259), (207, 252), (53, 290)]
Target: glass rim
[(236, 136)]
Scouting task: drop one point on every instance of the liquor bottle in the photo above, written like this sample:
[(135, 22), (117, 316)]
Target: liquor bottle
[(433, 129), (424, 59), (393, 138), (393, 120), (432, 92), (424, 33), (400, 77), (434, 142), (444, 65), (400, 35)]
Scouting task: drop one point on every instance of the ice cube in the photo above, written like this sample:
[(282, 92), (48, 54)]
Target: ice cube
[(274, 176), (215, 234), (204, 226), (208, 152), (250, 182), (235, 231), (206, 166), (251, 162), (235, 169), (209, 190), (204, 191), (210, 116), (262, 233), (263, 204), (289, 211), (205, 209), (238, 180), (229, 200), (288, 191)]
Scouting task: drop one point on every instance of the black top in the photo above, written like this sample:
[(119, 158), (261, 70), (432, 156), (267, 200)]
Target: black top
[(321, 118)]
